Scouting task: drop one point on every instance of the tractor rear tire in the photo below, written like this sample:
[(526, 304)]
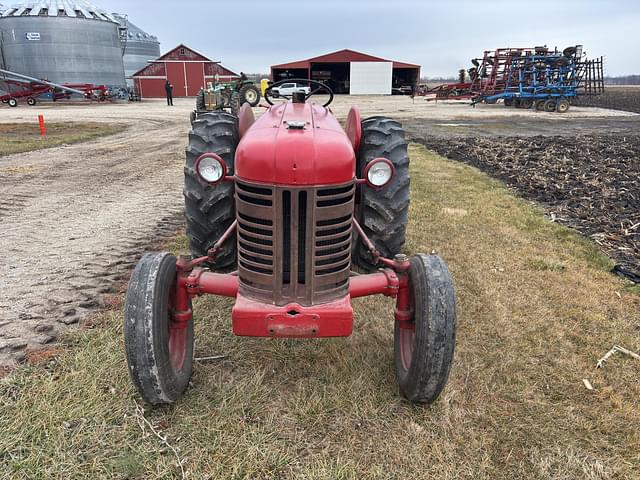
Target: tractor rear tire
[(550, 105), (562, 106), (160, 358), (235, 103), (424, 353), (249, 94), (210, 210), (12, 102), (383, 214)]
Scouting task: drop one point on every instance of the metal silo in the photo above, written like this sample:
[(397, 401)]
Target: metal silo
[(62, 41), (139, 46)]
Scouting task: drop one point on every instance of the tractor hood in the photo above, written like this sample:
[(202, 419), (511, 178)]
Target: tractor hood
[(295, 144)]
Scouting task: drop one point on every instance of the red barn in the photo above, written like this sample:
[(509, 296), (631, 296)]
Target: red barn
[(348, 71), (187, 70)]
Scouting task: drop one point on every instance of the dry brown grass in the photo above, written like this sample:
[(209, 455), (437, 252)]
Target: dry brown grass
[(536, 311), (25, 137)]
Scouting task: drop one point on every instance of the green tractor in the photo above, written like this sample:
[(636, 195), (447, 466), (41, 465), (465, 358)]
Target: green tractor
[(231, 95)]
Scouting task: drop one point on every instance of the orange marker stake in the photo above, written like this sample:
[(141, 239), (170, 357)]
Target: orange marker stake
[(43, 129)]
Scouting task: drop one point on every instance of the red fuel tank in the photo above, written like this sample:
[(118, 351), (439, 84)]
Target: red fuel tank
[(296, 144)]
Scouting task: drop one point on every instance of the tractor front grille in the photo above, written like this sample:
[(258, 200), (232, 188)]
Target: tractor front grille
[(294, 244)]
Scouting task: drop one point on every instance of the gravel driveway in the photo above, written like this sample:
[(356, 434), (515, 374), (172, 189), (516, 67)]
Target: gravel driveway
[(75, 218)]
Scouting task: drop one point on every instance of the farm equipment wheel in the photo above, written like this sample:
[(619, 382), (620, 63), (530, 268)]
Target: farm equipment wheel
[(550, 105), (209, 210), (249, 94), (540, 105), (159, 351), (200, 103), (424, 349), (12, 102), (508, 102), (526, 103), (383, 213), (31, 101), (562, 106)]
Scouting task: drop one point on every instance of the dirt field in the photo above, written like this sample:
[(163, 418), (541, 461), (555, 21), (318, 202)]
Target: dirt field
[(589, 183), (77, 217), (616, 97)]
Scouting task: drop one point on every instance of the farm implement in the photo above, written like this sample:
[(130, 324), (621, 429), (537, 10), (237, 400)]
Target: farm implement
[(17, 86), (293, 205), (528, 78)]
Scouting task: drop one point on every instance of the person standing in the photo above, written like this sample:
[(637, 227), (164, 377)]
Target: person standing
[(168, 88)]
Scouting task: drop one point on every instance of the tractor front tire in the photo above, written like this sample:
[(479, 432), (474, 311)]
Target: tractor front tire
[(249, 94), (160, 357), (383, 214), (424, 352), (210, 210)]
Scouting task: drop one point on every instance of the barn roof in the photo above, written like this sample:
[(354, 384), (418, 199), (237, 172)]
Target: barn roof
[(174, 55), (341, 56), (190, 54)]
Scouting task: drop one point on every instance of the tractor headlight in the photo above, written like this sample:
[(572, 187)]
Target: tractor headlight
[(211, 168), (379, 172)]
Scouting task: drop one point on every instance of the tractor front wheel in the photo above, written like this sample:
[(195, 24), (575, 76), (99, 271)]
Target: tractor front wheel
[(424, 347), (159, 350)]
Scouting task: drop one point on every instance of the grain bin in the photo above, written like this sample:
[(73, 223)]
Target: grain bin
[(62, 41), (139, 46)]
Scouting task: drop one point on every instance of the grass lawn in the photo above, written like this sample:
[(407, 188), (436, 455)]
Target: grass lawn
[(25, 137), (536, 310)]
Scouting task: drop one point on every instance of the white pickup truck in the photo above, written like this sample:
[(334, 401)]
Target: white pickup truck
[(289, 89)]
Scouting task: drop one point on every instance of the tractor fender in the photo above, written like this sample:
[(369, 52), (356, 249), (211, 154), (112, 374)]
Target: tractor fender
[(245, 118), (354, 127)]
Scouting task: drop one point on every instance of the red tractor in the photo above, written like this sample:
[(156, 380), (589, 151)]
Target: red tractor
[(291, 203)]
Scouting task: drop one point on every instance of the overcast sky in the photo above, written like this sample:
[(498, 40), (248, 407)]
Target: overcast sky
[(442, 36)]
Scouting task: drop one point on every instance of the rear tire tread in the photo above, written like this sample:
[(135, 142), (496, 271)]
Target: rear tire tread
[(210, 210)]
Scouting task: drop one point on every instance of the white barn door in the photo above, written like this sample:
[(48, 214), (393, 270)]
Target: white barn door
[(370, 78)]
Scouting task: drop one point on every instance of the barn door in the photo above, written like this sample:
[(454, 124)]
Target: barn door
[(195, 78), (176, 74)]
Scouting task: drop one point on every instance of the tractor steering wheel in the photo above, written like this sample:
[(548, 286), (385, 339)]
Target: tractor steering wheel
[(320, 87)]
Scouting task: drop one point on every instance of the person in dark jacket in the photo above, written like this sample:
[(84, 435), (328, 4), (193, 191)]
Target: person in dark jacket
[(168, 88)]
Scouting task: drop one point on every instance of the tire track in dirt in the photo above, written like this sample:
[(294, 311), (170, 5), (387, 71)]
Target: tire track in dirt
[(76, 218)]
